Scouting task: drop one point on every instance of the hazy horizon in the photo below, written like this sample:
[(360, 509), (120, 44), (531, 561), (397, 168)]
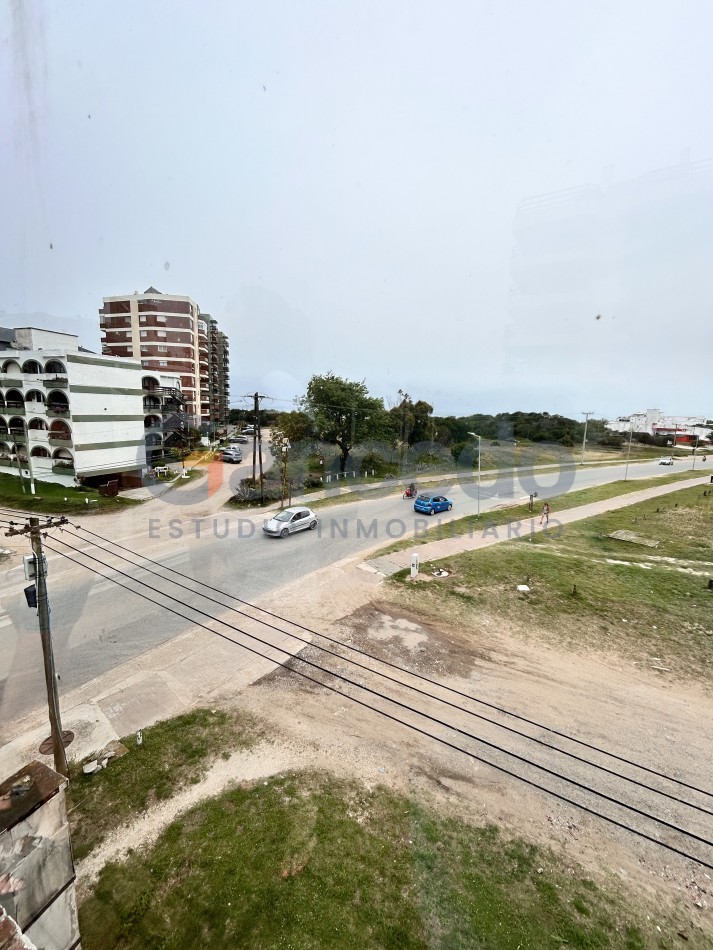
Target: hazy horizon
[(491, 207)]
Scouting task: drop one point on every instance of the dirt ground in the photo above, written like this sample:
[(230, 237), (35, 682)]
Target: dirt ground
[(595, 698)]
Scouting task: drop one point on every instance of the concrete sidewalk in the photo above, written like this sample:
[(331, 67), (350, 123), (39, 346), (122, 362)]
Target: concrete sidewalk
[(199, 669)]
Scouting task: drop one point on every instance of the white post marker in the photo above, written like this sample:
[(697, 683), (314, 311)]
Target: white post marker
[(414, 564)]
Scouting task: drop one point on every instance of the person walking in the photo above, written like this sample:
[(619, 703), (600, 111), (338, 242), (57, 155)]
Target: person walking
[(545, 519)]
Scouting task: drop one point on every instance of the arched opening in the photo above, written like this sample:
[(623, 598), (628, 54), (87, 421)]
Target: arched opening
[(31, 366), (12, 368), (62, 460), (34, 400), (152, 439), (152, 422), (14, 399), (60, 430), (150, 384), (3, 429), (37, 425), (151, 403), (55, 366), (16, 427), (57, 402), (40, 452)]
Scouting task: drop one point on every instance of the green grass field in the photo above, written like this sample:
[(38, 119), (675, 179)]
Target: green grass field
[(49, 498), (476, 524), (649, 604), (304, 861), (173, 753)]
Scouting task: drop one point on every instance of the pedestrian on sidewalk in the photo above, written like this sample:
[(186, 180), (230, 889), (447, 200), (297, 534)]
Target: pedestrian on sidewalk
[(545, 519)]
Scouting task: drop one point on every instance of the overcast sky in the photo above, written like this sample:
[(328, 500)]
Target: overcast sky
[(346, 186)]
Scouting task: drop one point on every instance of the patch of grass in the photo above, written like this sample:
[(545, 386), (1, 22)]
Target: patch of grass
[(476, 524), (49, 498), (192, 475), (653, 606), (174, 753), (306, 861)]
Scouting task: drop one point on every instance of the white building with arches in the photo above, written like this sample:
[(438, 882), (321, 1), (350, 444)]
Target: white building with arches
[(67, 414)]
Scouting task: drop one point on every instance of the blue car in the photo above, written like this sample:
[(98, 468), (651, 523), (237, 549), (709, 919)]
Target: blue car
[(429, 502)]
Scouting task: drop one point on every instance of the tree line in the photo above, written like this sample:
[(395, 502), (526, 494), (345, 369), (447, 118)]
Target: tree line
[(343, 413)]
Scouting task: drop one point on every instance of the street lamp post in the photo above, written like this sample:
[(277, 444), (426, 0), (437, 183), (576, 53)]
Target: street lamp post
[(476, 436), (584, 440), (628, 452)]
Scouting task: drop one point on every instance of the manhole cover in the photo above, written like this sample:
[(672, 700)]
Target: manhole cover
[(47, 746)]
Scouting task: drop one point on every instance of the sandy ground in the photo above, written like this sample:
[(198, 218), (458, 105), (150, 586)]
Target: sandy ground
[(595, 698), (601, 699)]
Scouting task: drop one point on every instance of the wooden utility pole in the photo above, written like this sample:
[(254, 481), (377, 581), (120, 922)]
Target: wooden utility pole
[(258, 432), (255, 415), (34, 531)]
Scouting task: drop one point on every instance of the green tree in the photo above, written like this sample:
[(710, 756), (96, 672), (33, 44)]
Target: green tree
[(411, 420), (343, 413), (292, 427)]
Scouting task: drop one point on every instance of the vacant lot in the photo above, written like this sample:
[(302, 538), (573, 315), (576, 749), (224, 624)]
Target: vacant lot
[(365, 834), (650, 604), (303, 860)]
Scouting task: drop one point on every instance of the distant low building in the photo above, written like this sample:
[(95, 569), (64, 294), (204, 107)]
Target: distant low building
[(679, 430), (66, 414)]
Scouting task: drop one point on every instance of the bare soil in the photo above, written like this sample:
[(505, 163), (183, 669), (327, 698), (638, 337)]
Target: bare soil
[(597, 698)]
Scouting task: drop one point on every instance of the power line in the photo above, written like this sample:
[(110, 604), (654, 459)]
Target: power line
[(399, 669), (291, 657)]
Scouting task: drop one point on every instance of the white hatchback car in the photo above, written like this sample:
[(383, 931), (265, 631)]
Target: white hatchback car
[(666, 461), (289, 521)]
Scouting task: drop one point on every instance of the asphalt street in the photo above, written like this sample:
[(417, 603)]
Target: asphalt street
[(97, 625)]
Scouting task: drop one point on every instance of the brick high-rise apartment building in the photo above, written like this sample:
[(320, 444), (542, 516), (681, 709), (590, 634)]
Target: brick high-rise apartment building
[(219, 386), (168, 334)]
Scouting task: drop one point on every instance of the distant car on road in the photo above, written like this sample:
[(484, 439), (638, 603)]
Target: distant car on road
[(667, 460), (289, 521), (249, 430), (429, 502), (238, 438)]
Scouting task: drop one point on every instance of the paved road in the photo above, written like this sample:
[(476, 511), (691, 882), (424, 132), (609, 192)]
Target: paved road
[(97, 625)]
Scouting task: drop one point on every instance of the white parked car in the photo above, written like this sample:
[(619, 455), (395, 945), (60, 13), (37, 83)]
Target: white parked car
[(289, 521), (666, 461)]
